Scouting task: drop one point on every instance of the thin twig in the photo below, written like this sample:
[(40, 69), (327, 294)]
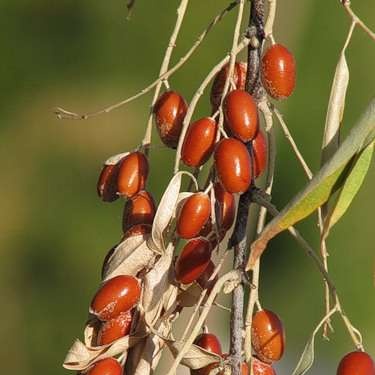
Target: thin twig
[(64, 114), (268, 28)]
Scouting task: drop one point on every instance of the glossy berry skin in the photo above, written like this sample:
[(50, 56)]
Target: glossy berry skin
[(133, 172), (260, 368), (239, 79), (267, 336), (139, 209), (278, 72), (115, 328), (193, 215), (199, 142), (117, 295), (260, 154), (170, 110), (204, 279), (107, 366), (107, 183), (241, 115), (356, 363), (227, 207), (193, 260), (137, 230), (233, 165), (209, 342)]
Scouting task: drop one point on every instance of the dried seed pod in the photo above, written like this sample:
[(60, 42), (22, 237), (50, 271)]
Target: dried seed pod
[(133, 172), (241, 115), (193, 215), (233, 165), (117, 295), (267, 336), (107, 366), (239, 80), (278, 71), (227, 207), (115, 328), (107, 183), (260, 154), (199, 142), (170, 110), (193, 260), (139, 209)]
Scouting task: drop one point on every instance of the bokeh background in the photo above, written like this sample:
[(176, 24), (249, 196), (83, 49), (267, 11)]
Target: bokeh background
[(54, 231)]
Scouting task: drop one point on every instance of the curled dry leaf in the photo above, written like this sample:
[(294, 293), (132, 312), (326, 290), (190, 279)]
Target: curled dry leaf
[(166, 211), (335, 109), (321, 186), (129, 257), (80, 357), (91, 329), (196, 357), (113, 160)]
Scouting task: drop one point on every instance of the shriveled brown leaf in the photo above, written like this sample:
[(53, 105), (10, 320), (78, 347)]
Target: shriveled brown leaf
[(129, 257)]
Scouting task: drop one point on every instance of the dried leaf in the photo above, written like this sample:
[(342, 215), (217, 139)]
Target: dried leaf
[(196, 357), (350, 188), (320, 188), (129, 257), (92, 327), (335, 110), (166, 209), (230, 285), (307, 358), (113, 160), (190, 296)]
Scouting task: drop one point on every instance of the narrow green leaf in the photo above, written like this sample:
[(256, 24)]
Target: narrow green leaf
[(320, 188), (335, 109), (350, 188), (307, 358)]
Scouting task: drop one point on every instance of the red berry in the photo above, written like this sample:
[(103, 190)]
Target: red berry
[(108, 366), (260, 153), (139, 209), (204, 279), (267, 336), (170, 110), (241, 115), (261, 368), (193, 260), (278, 72), (107, 183), (193, 215), (356, 363), (115, 328), (209, 342), (199, 142), (133, 174), (138, 230), (233, 165), (227, 207), (117, 295), (239, 79)]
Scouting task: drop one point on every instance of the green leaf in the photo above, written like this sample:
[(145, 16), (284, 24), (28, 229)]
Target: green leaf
[(307, 358), (321, 186), (350, 188)]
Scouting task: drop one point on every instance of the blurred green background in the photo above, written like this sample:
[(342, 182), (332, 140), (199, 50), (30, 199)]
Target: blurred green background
[(55, 231)]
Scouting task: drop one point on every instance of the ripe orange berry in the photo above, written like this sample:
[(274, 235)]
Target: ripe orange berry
[(227, 207), (204, 279), (139, 209), (199, 142), (115, 328), (267, 336), (278, 72), (260, 153), (239, 79), (107, 366), (356, 363), (261, 368), (193, 216), (193, 260), (170, 110), (133, 172), (233, 165), (117, 295), (241, 115), (107, 183), (209, 342)]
